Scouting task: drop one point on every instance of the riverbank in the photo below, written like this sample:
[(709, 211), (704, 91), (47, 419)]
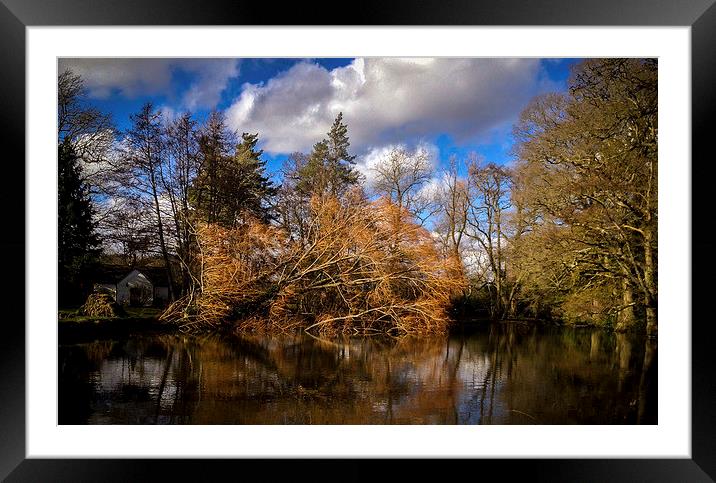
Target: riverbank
[(146, 319), (137, 319)]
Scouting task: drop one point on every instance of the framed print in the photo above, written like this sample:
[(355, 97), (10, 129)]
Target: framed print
[(424, 233)]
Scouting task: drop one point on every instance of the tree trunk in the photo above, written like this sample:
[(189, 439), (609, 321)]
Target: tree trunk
[(498, 297), (651, 326), (162, 243), (650, 281), (626, 318)]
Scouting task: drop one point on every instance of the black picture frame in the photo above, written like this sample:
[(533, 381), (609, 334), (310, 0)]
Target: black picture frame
[(16, 15)]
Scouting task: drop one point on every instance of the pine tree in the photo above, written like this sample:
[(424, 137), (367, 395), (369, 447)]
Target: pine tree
[(78, 244), (338, 161), (247, 188), (230, 186), (330, 167), (312, 176), (215, 142)]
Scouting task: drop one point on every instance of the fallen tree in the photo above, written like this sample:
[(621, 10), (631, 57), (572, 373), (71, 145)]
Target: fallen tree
[(363, 267)]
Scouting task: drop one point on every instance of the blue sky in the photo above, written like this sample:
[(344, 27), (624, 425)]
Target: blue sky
[(454, 106)]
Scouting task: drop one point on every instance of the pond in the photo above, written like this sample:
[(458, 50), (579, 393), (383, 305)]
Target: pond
[(507, 373)]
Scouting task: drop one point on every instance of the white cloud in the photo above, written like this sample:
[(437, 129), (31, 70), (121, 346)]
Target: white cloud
[(291, 112), (212, 78), (133, 77), (434, 186), (386, 100)]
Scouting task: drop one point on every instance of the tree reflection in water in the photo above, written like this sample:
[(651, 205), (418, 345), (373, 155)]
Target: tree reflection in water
[(499, 374)]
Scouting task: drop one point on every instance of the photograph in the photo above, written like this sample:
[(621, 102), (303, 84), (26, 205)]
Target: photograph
[(377, 241), (357, 241)]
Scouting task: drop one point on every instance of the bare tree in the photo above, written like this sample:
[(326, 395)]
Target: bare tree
[(400, 176), (292, 204), (145, 152), (453, 204), (178, 176), (129, 231), (489, 187), (89, 131)]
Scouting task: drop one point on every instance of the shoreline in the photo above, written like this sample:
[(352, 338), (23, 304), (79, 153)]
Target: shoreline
[(83, 327)]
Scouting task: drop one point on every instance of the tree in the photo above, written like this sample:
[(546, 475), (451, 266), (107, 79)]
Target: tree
[(329, 170), (78, 244), (182, 164), (88, 130), (292, 204), (338, 160), (131, 232), (247, 190), (489, 188), (145, 152), (313, 175), (400, 177), (349, 279), (231, 182), (91, 135), (453, 203), (593, 156), (216, 142)]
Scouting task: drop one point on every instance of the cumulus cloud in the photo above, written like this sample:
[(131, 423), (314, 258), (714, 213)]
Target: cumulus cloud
[(132, 77), (386, 100)]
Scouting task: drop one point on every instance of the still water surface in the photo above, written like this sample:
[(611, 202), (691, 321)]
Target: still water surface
[(496, 374)]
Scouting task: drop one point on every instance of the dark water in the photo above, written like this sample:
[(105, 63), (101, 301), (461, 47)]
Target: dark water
[(499, 374)]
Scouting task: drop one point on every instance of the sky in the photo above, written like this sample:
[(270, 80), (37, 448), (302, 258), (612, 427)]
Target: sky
[(448, 106)]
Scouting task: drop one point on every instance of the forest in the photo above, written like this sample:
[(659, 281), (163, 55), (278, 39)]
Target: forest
[(566, 232)]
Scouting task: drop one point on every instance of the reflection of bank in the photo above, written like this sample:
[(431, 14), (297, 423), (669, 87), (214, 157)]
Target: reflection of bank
[(505, 374)]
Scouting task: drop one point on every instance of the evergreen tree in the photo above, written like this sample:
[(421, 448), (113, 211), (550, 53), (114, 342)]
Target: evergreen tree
[(229, 186), (330, 167), (78, 244), (312, 176), (215, 142), (338, 160), (246, 187)]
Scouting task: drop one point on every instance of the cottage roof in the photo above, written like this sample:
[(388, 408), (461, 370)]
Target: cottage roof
[(156, 275)]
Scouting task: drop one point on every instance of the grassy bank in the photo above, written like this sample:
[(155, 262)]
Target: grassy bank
[(71, 324), (71, 315)]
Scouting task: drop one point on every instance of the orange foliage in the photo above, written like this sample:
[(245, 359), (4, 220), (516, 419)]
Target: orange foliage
[(234, 270), (363, 267)]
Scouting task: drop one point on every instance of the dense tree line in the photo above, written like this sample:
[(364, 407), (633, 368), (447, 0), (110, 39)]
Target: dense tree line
[(588, 192), (567, 232)]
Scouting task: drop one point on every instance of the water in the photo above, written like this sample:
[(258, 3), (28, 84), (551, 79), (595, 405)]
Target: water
[(497, 374)]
